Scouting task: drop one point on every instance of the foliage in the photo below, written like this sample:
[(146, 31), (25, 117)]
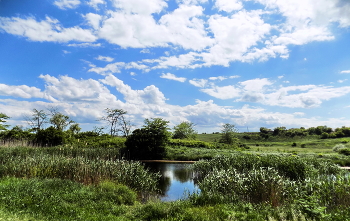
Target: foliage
[(185, 130), (60, 121), (16, 133), (228, 132), (50, 136), (117, 122), (191, 143), (148, 142), (345, 151), (79, 169), (3, 118), (37, 120), (55, 199)]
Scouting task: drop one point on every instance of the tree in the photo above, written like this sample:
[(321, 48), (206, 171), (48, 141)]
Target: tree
[(125, 126), (3, 118), (185, 130), (74, 128), (228, 134), (50, 136), (150, 141), (59, 120), (113, 118), (37, 120)]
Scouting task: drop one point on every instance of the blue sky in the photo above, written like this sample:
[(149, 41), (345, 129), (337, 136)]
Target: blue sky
[(250, 63)]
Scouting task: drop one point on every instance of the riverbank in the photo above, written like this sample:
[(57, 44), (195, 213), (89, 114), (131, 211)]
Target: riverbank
[(168, 161)]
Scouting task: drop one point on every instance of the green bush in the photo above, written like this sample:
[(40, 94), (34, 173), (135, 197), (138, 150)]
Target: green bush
[(345, 151)]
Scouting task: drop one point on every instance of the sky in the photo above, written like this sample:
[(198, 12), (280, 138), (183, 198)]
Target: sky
[(251, 63)]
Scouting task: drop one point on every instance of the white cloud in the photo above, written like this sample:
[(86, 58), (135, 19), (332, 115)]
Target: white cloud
[(94, 20), (140, 6), (95, 3), (104, 58), (108, 69), (255, 85), (345, 72), (145, 51), (45, 30), (67, 89), (65, 4), (198, 82), (225, 92), (86, 99), (85, 45), (310, 96), (228, 5), (22, 91), (342, 81), (173, 77), (149, 95)]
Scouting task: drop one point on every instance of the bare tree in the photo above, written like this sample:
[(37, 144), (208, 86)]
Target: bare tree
[(114, 118), (37, 120), (125, 126)]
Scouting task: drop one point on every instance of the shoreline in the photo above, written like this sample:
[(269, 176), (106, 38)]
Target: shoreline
[(166, 161)]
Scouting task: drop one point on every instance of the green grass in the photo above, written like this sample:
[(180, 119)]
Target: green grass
[(56, 199), (273, 180)]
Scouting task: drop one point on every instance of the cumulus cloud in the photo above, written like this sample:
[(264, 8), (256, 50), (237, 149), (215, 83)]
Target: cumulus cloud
[(104, 58), (45, 30), (199, 82), (22, 91), (228, 5), (95, 3), (108, 69), (86, 99), (173, 77), (69, 89), (149, 95), (345, 72), (66, 4), (225, 92)]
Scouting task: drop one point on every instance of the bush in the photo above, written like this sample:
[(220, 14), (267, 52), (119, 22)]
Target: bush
[(345, 151), (338, 147), (149, 142), (50, 137)]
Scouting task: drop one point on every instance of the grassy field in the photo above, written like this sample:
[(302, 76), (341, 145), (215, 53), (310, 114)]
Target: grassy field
[(275, 179)]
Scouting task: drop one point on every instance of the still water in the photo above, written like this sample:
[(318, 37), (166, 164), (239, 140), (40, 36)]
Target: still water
[(176, 181)]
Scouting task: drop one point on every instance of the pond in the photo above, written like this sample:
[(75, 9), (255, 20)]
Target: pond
[(176, 181)]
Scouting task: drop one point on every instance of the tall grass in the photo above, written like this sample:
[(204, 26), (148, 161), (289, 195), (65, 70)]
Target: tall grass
[(312, 186), (30, 163)]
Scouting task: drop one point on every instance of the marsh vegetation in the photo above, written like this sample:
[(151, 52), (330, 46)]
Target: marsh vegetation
[(268, 175)]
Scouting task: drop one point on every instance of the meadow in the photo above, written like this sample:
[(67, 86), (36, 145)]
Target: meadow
[(280, 178)]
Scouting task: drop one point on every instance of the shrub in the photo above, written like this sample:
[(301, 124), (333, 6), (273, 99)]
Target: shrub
[(338, 147), (263, 185), (345, 151), (148, 142)]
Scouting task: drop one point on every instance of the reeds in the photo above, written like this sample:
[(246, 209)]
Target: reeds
[(32, 163), (309, 185)]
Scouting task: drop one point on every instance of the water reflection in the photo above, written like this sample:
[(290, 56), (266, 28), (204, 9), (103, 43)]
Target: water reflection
[(177, 178)]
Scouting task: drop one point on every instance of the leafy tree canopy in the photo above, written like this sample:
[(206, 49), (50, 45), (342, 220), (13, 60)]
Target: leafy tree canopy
[(185, 130), (3, 118), (150, 141), (228, 134)]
